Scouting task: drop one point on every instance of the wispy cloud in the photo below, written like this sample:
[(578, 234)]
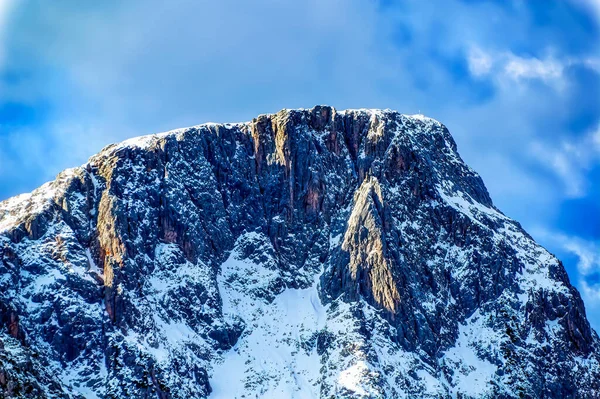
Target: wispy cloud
[(504, 67), (480, 63), (519, 68), (568, 155), (570, 160)]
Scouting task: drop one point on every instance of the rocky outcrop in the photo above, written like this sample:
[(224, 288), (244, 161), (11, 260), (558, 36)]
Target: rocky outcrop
[(364, 268), (315, 252)]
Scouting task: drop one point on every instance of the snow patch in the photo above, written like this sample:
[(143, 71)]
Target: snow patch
[(471, 374), (276, 356)]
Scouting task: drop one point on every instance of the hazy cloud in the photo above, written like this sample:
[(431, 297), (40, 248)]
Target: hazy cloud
[(570, 160), (480, 63)]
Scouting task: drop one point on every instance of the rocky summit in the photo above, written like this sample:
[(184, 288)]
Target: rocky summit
[(312, 253)]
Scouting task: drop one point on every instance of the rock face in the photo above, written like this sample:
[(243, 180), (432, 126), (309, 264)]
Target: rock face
[(309, 253)]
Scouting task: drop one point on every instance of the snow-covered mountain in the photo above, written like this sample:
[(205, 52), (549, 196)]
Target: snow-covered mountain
[(306, 254)]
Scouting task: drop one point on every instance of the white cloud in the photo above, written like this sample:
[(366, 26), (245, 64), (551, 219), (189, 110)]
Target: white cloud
[(565, 168), (137, 69), (533, 68), (596, 139), (506, 67), (480, 62), (593, 6), (592, 63), (587, 252), (570, 160)]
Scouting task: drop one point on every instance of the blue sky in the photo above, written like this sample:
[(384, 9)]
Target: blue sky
[(516, 82)]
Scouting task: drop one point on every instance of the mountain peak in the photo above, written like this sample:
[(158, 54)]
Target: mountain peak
[(311, 252)]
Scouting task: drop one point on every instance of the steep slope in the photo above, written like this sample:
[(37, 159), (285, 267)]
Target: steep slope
[(310, 253)]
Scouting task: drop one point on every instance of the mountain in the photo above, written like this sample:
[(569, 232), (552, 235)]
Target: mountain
[(306, 254)]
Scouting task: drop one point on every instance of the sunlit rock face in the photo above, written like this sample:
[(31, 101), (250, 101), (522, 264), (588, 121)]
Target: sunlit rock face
[(309, 254)]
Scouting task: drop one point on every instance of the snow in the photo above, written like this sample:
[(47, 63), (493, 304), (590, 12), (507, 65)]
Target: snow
[(272, 352), (335, 240), (93, 267), (276, 356), (350, 379), (552, 327), (72, 377), (15, 209), (536, 261), (242, 283), (423, 118), (146, 141), (172, 274), (535, 258), (471, 374), (472, 209)]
